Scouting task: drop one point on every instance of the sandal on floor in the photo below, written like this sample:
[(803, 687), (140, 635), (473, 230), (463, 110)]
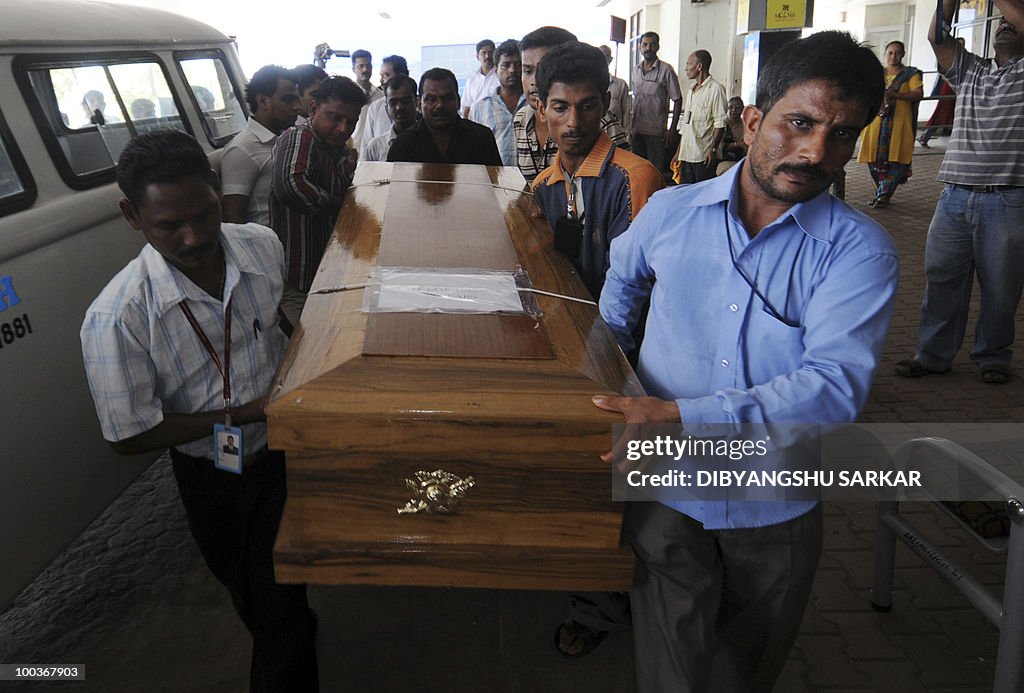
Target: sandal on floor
[(582, 639), (995, 376), (913, 368)]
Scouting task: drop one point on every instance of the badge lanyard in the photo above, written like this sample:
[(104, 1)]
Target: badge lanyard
[(569, 229), (225, 368), (570, 206)]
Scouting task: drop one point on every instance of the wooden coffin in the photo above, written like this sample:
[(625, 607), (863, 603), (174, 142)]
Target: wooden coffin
[(365, 400)]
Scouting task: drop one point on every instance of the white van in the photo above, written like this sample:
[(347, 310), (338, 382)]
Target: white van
[(78, 79)]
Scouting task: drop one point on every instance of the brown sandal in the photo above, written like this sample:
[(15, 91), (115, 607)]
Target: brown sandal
[(584, 639)]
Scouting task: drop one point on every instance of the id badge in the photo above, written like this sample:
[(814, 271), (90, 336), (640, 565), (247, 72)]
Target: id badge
[(568, 236), (227, 448)]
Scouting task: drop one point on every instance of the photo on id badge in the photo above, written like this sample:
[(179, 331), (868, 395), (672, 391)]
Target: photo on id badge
[(227, 448)]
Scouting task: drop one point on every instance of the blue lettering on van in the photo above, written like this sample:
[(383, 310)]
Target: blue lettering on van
[(8, 297)]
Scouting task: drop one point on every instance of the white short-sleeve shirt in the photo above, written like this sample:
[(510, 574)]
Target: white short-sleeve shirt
[(143, 359), (245, 169)]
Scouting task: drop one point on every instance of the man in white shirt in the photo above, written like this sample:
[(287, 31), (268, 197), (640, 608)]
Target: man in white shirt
[(362, 68), (483, 81), (245, 168), (154, 342), (702, 124)]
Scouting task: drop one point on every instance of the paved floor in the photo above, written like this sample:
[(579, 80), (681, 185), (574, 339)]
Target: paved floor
[(132, 601)]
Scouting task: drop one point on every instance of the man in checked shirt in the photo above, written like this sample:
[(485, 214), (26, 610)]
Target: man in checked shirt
[(186, 333)]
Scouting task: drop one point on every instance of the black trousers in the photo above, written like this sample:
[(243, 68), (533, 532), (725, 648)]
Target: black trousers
[(234, 521), (717, 610), (695, 172)]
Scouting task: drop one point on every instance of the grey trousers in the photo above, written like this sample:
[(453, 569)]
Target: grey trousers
[(650, 147), (717, 610)]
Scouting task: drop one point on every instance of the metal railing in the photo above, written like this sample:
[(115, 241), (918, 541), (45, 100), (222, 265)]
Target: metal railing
[(1007, 616)]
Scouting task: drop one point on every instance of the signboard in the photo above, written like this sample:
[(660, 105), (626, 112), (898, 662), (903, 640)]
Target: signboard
[(786, 14), (773, 15)]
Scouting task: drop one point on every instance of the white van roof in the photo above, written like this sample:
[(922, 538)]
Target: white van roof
[(82, 22)]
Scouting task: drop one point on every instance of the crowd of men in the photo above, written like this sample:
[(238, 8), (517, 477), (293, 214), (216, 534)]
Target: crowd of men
[(750, 297), (290, 165)]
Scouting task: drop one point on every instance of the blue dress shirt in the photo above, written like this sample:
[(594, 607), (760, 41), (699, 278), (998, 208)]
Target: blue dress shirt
[(711, 343)]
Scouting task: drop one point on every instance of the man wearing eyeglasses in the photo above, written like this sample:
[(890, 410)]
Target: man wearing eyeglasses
[(441, 136), (769, 305), (400, 96), (654, 83)]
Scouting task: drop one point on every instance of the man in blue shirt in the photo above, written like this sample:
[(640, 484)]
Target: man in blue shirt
[(771, 305)]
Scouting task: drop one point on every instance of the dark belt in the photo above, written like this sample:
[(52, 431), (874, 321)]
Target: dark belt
[(250, 458), (987, 188)]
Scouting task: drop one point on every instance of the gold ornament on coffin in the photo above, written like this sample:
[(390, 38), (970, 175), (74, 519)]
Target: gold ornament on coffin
[(437, 493)]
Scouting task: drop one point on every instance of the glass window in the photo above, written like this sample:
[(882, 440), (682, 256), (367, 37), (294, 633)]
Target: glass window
[(215, 97), (146, 95), (17, 190), (91, 109), (976, 23)]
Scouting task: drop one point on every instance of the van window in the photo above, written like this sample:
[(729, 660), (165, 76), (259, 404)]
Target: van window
[(10, 184), (214, 95), (89, 110), (17, 189)]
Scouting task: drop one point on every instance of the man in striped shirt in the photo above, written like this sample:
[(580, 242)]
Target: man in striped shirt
[(313, 167), (531, 156), (978, 221), (620, 105)]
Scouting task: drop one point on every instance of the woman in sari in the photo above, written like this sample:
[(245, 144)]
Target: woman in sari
[(888, 144)]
